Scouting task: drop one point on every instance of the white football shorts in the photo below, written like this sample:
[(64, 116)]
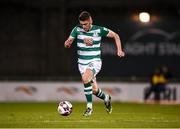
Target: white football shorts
[(95, 66)]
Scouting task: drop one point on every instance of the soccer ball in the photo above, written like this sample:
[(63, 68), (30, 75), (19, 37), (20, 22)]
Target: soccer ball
[(64, 108)]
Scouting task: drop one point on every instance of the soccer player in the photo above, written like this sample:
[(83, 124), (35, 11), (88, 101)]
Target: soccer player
[(89, 56)]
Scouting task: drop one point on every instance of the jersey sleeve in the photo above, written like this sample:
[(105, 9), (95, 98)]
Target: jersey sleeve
[(74, 32), (104, 31)]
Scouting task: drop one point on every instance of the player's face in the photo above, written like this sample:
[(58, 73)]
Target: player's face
[(86, 25)]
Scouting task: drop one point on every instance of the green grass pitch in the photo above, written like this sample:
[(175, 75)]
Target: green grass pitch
[(130, 115)]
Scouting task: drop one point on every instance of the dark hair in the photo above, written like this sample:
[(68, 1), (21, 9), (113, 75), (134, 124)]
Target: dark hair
[(84, 16)]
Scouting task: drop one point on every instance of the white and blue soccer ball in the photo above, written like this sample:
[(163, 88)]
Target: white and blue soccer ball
[(64, 108)]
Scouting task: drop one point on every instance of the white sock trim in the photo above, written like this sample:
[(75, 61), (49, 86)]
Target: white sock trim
[(106, 98), (89, 105)]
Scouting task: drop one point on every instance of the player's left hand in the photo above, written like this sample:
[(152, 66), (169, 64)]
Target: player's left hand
[(88, 41), (120, 53)]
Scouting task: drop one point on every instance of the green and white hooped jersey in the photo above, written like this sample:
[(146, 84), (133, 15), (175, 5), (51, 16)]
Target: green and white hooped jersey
[(87, 54)]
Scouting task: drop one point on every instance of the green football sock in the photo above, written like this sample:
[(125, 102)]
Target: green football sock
[(88, 94), (100, 94)]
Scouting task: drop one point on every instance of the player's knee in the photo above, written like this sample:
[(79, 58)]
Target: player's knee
[(94, 90), (85, 79)]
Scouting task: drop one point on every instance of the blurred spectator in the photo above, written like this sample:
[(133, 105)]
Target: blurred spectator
[(158, 85)]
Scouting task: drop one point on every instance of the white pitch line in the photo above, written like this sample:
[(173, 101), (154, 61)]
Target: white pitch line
[(101, 121)]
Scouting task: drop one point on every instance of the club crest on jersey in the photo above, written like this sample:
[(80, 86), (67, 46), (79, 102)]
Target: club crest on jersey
[(95, 34)]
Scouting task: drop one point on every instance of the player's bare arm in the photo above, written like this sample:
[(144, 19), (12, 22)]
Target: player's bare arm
[(116, 37), (68, 42)]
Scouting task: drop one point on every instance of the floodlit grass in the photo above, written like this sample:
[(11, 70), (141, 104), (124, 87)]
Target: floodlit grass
[(130, 115)]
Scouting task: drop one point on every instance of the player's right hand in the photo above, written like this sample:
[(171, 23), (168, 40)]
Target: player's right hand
[(67, 43)]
